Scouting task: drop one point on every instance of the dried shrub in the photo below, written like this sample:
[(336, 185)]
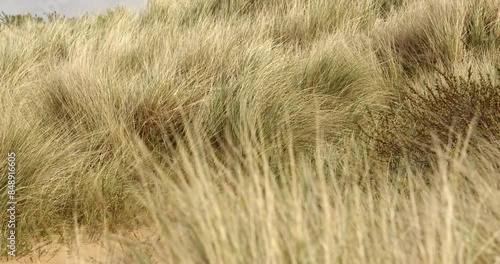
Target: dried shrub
[(439, 114)]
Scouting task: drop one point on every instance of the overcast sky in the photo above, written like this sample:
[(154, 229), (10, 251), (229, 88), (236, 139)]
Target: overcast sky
[(64, 7)]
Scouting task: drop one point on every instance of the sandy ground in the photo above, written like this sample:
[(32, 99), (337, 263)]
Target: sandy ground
[(55, 254), (80, 253)]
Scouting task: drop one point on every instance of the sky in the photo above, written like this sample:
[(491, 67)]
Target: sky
[(67, 8)]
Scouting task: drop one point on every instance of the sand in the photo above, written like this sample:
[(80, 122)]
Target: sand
[(56, 252), (53, 253)]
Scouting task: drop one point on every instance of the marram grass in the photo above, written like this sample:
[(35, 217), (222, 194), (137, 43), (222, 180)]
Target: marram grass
[(258, 131)]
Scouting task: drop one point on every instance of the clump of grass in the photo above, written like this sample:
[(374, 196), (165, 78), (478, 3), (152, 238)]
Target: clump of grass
[(443, 114), (252, 106), (423, 35), (388, 6), (482, 25), (18, 20), (299, 25), (328, 210)]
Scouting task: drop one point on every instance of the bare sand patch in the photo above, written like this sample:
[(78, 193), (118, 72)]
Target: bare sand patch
[(102, 251)]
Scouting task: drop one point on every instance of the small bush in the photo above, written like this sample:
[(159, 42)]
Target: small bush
[(18, 20), (444, 112)]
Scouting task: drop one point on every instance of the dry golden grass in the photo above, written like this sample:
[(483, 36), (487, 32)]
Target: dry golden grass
[(244, 131)]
